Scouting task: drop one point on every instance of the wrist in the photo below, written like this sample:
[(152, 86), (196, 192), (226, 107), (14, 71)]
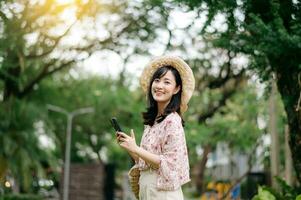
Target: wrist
[(136, 150)]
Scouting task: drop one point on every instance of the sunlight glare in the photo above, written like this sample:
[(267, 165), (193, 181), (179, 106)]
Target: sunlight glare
[(65, 1), (7, 184)]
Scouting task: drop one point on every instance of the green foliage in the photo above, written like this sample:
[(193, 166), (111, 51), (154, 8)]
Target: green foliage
[(21, 197), (268, 33), (285, 192), (93, 138), (34, 46), (264, 194), (37, 39), (235, 123), (20, 152)]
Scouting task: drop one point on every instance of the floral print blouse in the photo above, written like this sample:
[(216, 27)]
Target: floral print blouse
[(167, 139)]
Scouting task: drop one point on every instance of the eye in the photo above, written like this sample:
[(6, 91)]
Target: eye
[(167, 82), (156, 80)]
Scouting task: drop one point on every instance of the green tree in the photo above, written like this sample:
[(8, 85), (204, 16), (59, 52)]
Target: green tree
[(269, 33), (21, 154), (35, 44), (93, 136), (234, 123)]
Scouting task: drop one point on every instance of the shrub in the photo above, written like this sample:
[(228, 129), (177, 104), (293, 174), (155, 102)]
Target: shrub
[(21, 197), (285, 192)]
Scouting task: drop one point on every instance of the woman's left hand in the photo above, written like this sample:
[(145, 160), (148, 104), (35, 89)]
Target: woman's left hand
[(127, 142)]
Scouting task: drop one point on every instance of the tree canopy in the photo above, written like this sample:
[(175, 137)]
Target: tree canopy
[(268, 32)]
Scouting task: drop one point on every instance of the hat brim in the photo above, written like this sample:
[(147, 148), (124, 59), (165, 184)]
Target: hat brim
[(188, 81)]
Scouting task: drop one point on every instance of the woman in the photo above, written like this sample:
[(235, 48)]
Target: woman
[(162, 158)]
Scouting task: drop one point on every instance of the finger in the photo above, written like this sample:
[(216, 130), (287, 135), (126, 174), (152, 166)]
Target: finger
[(118, 138), (132, 134), (123, 145), (122, 139), (117, 133), (123, 134)]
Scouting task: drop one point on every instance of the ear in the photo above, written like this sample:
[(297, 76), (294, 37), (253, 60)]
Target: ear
[(177, 89)]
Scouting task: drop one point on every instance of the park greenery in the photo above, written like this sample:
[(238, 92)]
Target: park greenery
[(43, 46), (268, 32)]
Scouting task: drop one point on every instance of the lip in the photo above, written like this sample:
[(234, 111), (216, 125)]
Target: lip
[(158, 93)]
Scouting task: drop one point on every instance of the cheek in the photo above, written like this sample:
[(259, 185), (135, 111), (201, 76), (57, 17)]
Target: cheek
[(153, 86), (171, 88), (176, 90), (153, 89)]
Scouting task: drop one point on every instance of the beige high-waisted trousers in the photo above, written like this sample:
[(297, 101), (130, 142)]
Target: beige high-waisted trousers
[(148, 190)]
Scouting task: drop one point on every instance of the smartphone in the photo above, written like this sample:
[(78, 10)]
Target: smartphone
[(115, 124)]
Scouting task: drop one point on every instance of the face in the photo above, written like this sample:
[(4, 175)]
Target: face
[(164, 88)]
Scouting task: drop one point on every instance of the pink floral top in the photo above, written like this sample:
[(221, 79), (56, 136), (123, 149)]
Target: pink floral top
[(167, 140)]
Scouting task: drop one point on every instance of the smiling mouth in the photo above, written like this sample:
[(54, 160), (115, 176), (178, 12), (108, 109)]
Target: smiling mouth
[(158, 93)]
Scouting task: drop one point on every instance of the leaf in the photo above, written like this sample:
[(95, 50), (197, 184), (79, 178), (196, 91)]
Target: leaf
[(264, 195)]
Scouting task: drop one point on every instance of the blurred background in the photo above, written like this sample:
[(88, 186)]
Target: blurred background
[(68, 66)]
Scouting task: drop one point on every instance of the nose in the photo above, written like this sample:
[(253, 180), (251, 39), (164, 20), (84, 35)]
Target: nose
[(158, 85)]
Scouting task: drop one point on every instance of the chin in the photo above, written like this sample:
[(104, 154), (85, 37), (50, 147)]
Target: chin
[(159, 100)]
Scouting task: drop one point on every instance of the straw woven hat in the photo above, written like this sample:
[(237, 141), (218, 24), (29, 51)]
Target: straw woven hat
[(188, 82)]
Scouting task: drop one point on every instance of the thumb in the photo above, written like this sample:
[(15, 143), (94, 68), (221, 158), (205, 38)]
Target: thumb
[(132, 134)]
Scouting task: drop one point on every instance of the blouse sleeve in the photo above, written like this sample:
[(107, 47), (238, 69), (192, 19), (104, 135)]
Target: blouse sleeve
[(174, 159)]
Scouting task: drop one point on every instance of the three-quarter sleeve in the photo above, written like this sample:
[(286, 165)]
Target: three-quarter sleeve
[(174, 167)]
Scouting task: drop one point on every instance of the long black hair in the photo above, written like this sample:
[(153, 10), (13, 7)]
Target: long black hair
[(150, 115)]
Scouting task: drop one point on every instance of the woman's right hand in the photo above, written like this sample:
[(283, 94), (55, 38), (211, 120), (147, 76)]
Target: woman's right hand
[(128, 143)]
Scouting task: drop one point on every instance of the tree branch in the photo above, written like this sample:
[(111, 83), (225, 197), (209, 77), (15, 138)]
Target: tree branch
[(3, 16), (56, 41), (227, 93), (45, 72), (220, 80)]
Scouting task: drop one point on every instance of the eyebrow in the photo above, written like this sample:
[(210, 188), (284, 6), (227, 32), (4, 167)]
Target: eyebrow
[(167, 79)]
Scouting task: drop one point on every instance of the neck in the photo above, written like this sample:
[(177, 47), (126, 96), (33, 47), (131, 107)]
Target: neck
[(161, 108)]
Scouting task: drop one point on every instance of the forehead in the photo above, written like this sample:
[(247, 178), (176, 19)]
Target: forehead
[(168, 75)]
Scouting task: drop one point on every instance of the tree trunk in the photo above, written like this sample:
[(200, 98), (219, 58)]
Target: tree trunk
[(289, 89), (11, 87), (274, 148), (201, 167), (3, 168), (288, 159), (15, 186)]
